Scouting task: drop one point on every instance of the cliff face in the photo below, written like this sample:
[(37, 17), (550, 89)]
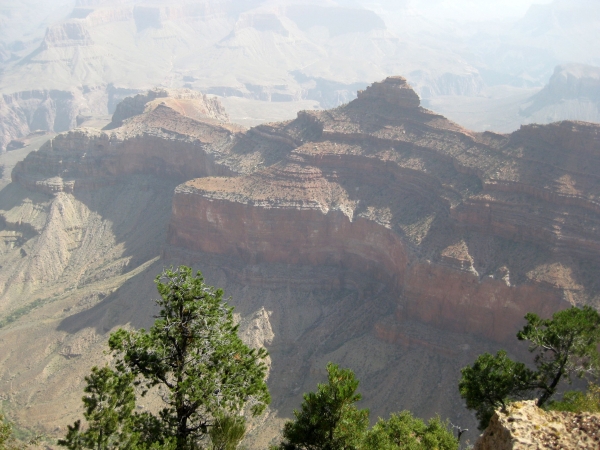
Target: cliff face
[(572, 89), (378, 235), (25, 112), (470, 231), (161, 142)]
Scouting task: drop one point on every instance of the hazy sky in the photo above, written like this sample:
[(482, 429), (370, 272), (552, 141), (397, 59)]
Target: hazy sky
[(476, 9)]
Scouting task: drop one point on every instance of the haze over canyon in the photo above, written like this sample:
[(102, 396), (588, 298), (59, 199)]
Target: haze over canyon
[(490, 67), (300, 155)]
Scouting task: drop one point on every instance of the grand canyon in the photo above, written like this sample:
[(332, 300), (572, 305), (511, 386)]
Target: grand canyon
[(378, 234), (388, 185)]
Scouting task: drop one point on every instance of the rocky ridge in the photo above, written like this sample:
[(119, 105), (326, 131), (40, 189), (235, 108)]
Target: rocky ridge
[(189, 103), (378, 235)]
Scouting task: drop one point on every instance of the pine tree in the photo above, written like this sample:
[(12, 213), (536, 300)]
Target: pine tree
[(328, 419), (192, 357)]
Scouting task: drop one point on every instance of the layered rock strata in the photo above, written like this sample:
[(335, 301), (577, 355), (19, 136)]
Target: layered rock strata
[(189, 103), (471, 231), (162, 141)]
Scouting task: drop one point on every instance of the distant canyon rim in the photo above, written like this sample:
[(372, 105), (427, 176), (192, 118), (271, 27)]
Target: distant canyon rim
[(64, 64)]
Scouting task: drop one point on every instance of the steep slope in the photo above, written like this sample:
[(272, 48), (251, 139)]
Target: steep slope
[(85, 217), (378, 235)]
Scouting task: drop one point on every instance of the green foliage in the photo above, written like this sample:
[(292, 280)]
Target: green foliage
[(566, 345), (578, 402), (8, 440), (192, 356), (227, 432), (108, 408), (328, 419), (20, 312), (404, 432), (491, 382), (5, 432)]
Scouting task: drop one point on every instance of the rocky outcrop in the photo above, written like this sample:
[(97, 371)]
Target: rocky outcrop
[(572, 81), (185, 101), (53, 110), (25, 112), (162, 142), (394, 90), (67, 34), (524, 426), (573, 91)]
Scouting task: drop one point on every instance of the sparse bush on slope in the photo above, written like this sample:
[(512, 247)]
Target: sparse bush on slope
[(578, 402)]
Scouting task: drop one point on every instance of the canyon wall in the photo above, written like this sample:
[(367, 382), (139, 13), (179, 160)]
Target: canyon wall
[(470, 232), (378, 235)]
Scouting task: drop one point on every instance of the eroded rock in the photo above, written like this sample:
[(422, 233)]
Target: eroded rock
[(395, 90), (526, 427)]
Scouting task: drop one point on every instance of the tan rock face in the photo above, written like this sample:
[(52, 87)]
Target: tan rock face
[(186, 102), (526, 427), (163, 142), (67, 34)]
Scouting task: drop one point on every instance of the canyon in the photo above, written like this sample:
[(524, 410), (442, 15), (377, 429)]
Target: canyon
[(378, 235)]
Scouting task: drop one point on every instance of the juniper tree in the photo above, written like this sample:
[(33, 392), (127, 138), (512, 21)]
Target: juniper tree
[(402, 431), (491, 382), (565, 346), (109, 405), (193, 359)]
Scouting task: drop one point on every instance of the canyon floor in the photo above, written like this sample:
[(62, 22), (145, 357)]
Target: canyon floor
[(378, 235)]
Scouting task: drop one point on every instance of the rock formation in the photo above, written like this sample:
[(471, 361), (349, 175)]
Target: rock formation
[(378, 235), (394, 90), (524, 426), (384, 186), (187, 102)]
